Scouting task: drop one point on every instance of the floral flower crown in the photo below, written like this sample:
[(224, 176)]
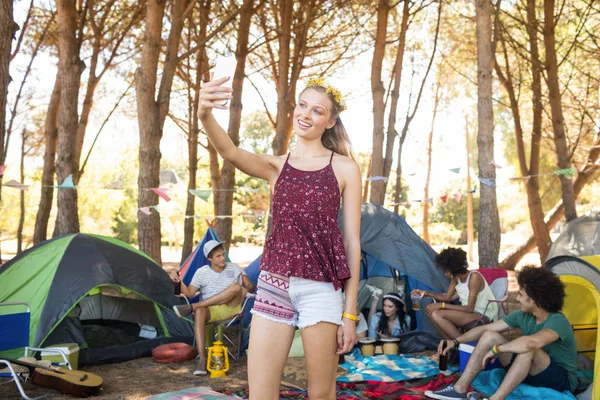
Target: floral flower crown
[(329, 89)]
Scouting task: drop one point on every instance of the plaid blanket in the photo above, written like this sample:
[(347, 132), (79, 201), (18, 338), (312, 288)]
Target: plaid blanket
[(386, 368), (407, 390), (201, 392)]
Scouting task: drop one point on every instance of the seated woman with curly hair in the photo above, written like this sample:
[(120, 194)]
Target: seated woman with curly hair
[(473, 293)]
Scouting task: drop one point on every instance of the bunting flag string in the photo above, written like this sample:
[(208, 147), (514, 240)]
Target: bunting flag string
[(487, 181), (67, 183), (2, 169), (161, 192), (377, 179), (16, 185)]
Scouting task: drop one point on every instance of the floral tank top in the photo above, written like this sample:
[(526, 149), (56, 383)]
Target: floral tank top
[(306, 241)]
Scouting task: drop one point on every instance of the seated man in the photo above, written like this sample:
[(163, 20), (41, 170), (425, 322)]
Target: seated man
[(546, 354), (223, 286)]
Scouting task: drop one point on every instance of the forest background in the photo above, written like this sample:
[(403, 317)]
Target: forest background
[(450, 104)]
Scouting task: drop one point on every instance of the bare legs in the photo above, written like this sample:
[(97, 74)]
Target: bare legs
[(320, 345), (268, 350), (231, 296), (448, 321), (531, 363)]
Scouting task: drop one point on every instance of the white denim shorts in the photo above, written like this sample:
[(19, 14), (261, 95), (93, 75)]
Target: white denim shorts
[(297, 301)]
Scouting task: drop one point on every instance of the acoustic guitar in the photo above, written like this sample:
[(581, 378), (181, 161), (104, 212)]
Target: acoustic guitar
[(73, 382)]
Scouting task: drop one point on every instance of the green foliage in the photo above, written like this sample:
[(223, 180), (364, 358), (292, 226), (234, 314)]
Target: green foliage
[(454, 214), (257, 133), (125, 218)]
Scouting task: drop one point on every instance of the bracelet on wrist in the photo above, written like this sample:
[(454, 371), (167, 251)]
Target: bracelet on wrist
[(495, 350), (443, 305), (351, 317)]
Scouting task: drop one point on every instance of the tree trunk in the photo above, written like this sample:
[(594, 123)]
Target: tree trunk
[(378, 94), (489, 220), (395, 95), (51, 140), (70, 67), (225, 205), (152, 111), (285, 99), (536, 212), (149, 235), (21, 195), (8, 27), (201, 63), (558, 122), (429, 159)]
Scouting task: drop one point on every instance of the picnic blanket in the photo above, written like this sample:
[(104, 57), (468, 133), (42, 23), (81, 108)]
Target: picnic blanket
[(201, 392), (406, 390), (388, 368), (487, 382)]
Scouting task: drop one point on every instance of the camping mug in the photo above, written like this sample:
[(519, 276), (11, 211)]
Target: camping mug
[(390, 345), (367, 346)]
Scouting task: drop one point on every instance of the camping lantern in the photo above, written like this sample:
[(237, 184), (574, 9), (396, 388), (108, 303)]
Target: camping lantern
[(218, 360)]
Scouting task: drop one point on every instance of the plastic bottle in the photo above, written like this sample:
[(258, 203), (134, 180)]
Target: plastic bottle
[(443, 358)]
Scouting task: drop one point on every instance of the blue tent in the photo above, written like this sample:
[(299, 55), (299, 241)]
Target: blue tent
[(390, 248)]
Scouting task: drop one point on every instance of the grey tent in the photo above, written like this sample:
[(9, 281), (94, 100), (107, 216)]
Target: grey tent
[(581, 237)]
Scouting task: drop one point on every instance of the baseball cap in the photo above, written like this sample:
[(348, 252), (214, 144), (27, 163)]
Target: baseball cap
[(210, 245)]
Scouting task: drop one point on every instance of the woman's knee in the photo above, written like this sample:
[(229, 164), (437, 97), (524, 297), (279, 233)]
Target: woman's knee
[(322, 392)]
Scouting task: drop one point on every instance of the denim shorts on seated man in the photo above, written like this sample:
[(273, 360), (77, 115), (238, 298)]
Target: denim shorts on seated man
[(553, 377), (297, 301)]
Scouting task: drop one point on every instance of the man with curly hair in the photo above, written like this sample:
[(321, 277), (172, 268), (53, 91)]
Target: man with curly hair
[(546, 354)]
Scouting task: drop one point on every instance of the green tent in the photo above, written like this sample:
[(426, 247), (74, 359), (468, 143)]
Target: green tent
[(111, 299)]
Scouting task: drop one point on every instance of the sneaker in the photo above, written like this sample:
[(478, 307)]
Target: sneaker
[(200, 367), (447, 393), (183, 311), (375, 292)]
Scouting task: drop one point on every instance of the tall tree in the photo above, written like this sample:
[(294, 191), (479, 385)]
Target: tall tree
[(436, 102), (532, 185), (489, 220), (558, 122), (8, 27), (152, 110), (70, 68), (225, 204)]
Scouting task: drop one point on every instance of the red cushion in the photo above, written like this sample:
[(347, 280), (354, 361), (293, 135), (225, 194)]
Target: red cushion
[(173, 352)]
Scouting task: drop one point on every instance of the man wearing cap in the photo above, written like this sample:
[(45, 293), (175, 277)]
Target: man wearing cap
[(223, 286)]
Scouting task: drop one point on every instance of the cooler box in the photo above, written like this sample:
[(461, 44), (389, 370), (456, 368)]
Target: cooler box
[(71, 350), (464, 352)]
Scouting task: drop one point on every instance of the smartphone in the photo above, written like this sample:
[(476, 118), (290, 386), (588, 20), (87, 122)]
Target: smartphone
[(225, 66)]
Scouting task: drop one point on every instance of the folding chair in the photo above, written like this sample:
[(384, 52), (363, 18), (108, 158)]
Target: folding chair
[(497, 279), (235, 348), (14, 335)]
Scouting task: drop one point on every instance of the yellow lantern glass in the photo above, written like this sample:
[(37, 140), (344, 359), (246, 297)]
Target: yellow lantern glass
[(218, 360)]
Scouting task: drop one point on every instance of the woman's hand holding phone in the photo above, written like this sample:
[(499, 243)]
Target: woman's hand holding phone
[(217, 92)]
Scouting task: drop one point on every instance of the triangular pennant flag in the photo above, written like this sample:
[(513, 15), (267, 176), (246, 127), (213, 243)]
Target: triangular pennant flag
[(116, 184), (455, 170), (457, 197), (156, 207), (203, 194), (492, 163), (444, 198), (417, 201), (16, 185), (2, 169), (161, 193), (568, 172), (145, 210), (412, 174), (377, 179), (223, 216), (472, 191), (67, 183), (430, 200), (487, 181)]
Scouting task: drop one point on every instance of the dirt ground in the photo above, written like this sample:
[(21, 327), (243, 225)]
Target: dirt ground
[(141, 378)]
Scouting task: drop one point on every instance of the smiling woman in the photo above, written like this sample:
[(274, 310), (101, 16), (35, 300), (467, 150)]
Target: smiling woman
[(307, 259)]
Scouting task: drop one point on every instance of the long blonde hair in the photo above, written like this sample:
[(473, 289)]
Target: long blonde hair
[(335, 138)]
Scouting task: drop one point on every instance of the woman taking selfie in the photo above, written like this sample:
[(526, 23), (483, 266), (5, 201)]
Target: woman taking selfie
[(306, 260)]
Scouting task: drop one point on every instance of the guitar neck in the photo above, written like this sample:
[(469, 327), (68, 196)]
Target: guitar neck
[(31, 365)]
